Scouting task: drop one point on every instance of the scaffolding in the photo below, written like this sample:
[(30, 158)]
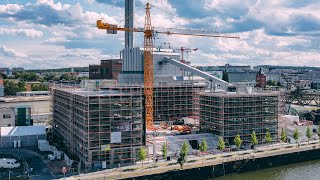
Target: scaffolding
[(100, 126), (88, 119), (229, 114), (172, 102)]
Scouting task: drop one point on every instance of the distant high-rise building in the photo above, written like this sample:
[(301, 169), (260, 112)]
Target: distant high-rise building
[(129, 17), (109, 69), (1, 86), (6, 71), (18, 69)]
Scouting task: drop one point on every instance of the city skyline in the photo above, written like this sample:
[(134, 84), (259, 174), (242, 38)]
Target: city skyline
[(53, 34)]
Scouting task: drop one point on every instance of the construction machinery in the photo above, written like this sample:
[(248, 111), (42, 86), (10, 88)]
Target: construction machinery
[(149, 33), (183, 60)]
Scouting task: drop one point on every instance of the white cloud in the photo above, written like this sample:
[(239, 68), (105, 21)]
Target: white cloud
[(26, 32), (10, 52), (70, 36), (90, 1), (10, 8)]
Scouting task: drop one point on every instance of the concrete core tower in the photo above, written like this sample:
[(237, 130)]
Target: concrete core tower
[(129, 10)]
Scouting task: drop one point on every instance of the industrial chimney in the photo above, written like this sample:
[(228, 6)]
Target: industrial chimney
[(129, 10)]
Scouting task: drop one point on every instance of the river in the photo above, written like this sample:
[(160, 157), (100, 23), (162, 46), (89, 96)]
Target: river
[(306, 170)]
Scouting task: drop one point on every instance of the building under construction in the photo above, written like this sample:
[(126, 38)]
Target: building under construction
[(107, 124), (100, 127), (229, 114), (174, 99)]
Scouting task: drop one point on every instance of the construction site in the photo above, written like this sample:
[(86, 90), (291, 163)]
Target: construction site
[(151, 102), (229, 114), (100, 126)]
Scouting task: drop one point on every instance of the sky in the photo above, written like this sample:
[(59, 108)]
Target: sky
[(38, 34)]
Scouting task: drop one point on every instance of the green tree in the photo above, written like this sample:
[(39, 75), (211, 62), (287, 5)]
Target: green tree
[(283, 136), (268, 137), (68, 77), (271, 83), (27, 76), (279, 84), (254, 140), (225, 76), (221, 144), (11, 88), (164, 150), (183, 153), (4, 76), (142, 155), (22, 86), (50, 77), (296, 135), (309, 133), (237, 141), (39, 87), (203, 147)]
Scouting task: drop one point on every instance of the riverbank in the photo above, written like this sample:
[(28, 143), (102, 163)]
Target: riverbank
[(214, 165)]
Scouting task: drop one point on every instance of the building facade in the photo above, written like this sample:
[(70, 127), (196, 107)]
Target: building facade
[(100, 127), (23, 115), (174, 99), (261, 79), (21, 136), (40, 107), (229, 114), (108, 69), (1, 87), (7, 117), (133, 64)]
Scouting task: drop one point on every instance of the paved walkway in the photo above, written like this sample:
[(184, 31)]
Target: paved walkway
[(194, 162)]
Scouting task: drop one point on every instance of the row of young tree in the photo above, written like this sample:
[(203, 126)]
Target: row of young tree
[(203, 147)]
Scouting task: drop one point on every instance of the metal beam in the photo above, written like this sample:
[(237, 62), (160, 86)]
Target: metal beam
[(216, 82)]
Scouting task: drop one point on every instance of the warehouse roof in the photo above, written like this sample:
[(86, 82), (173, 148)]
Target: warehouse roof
[(23, 130)]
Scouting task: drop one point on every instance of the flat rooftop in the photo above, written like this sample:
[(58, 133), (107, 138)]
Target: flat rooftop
[(241, 94), (101, 93), (22, 130), (26, 98)]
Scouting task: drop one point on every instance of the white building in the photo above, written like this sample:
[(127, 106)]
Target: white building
[(7, 116), (21, 136)]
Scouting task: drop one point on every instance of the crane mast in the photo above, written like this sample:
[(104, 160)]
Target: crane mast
[(148, 68), (148, 53)]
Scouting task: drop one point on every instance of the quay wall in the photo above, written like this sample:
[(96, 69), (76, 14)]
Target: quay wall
[(232, 167)]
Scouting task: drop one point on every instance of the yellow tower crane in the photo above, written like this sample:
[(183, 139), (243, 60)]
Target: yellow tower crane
[(148, 53)]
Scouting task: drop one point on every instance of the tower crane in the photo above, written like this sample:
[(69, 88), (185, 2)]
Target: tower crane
[(185, 61), (185, 50), (149, 33)]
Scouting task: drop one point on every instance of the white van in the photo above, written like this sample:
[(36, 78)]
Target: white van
[(8, 163)]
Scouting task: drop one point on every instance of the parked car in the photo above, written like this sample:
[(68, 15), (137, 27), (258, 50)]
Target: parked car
[(8, 163)]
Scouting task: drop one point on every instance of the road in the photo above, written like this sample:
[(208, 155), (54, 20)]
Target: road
[(34, 160)]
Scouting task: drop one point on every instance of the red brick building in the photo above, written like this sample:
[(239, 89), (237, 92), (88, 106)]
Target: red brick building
[(261, 79)]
